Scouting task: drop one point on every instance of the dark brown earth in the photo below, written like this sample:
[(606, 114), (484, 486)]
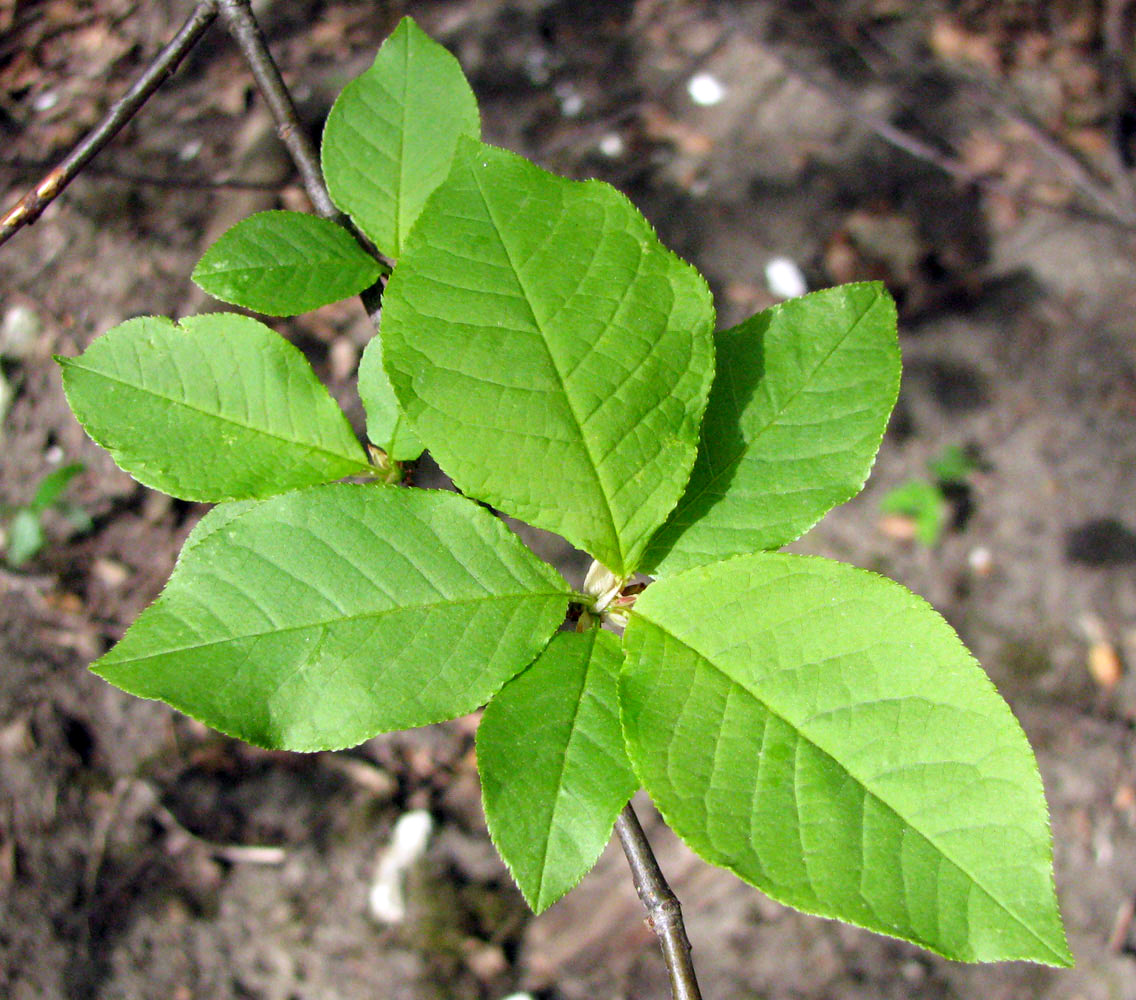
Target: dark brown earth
[(128, 835)]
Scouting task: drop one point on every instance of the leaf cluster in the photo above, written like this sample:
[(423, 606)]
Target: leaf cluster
[(815, 728)]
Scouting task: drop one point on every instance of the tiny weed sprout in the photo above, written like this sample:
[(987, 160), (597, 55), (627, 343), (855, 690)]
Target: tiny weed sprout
[(25, 535), (814, 728), (928, 507)]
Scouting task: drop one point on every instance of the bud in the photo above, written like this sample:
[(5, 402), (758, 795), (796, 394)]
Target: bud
[(601, 585)]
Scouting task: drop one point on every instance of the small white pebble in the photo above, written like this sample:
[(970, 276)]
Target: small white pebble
[(705, 89), (612, 145), (190, 150), (980, 560), (784, 278), (536, 66), (53, 455), (45, 101), (571, 103), (19, 331)]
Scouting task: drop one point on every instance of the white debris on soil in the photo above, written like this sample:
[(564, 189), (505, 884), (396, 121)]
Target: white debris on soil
[(980, 560), (612, 145), (705, 89), (784, 278), (19, 332), (46, 101), (387, 898), (571, 103)]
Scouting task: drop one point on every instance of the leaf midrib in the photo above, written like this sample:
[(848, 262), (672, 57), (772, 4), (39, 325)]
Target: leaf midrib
[(560, 377), (340, 620), (560, 773), (307, 445), (688, 501), (859, 781)]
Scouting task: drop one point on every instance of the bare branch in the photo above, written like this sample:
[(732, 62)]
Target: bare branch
[(31, 205), (246, 32), (664, 914), (250, 39), (25, 166)]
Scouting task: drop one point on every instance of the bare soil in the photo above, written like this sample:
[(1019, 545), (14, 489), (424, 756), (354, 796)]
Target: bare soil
[(129, 836)]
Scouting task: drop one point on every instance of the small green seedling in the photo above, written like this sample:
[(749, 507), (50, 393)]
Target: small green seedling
[(815, 728), (931, 504), (26, 536)]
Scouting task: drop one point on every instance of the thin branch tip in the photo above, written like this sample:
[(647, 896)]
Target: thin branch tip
[(664, 912), (31, 206)]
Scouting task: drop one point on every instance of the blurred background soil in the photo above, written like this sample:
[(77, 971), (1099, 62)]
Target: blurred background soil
[(975, 155)]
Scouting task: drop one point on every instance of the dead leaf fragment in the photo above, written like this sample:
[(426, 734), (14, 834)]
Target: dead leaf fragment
[(1104, 664)]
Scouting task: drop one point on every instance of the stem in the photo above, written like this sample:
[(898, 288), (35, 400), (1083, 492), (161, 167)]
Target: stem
[(250, 39), (664, 914), (24, 166), (30, 207), (243, 26)]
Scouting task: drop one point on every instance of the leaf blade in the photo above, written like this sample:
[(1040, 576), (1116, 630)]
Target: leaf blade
[(392, 132), (285, 263), (554, 771), (802, 397), (536, 322), (163, 400), (319, 618), (387, 425), (862, 766)]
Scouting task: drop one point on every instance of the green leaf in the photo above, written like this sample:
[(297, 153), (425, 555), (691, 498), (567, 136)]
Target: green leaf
[(214, 520), (553, 356), (953, 465), (554, 771), (387, 426), (220, 408), (821, 731), (25, 537), (285, 263), (795, 419), (316, 619), (922, 501), (391, 134), (53, 485)]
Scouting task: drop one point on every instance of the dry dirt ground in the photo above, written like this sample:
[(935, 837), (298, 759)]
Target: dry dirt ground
[(974, 154)]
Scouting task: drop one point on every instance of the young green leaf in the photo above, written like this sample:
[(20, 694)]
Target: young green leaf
[(316, 619), (553, 355), (391, 134), (795, 418), (53, 486), (25, 537), (220, 408), (285, 263), (924, 503), (387, 426), (554, 771), (821, 731)]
